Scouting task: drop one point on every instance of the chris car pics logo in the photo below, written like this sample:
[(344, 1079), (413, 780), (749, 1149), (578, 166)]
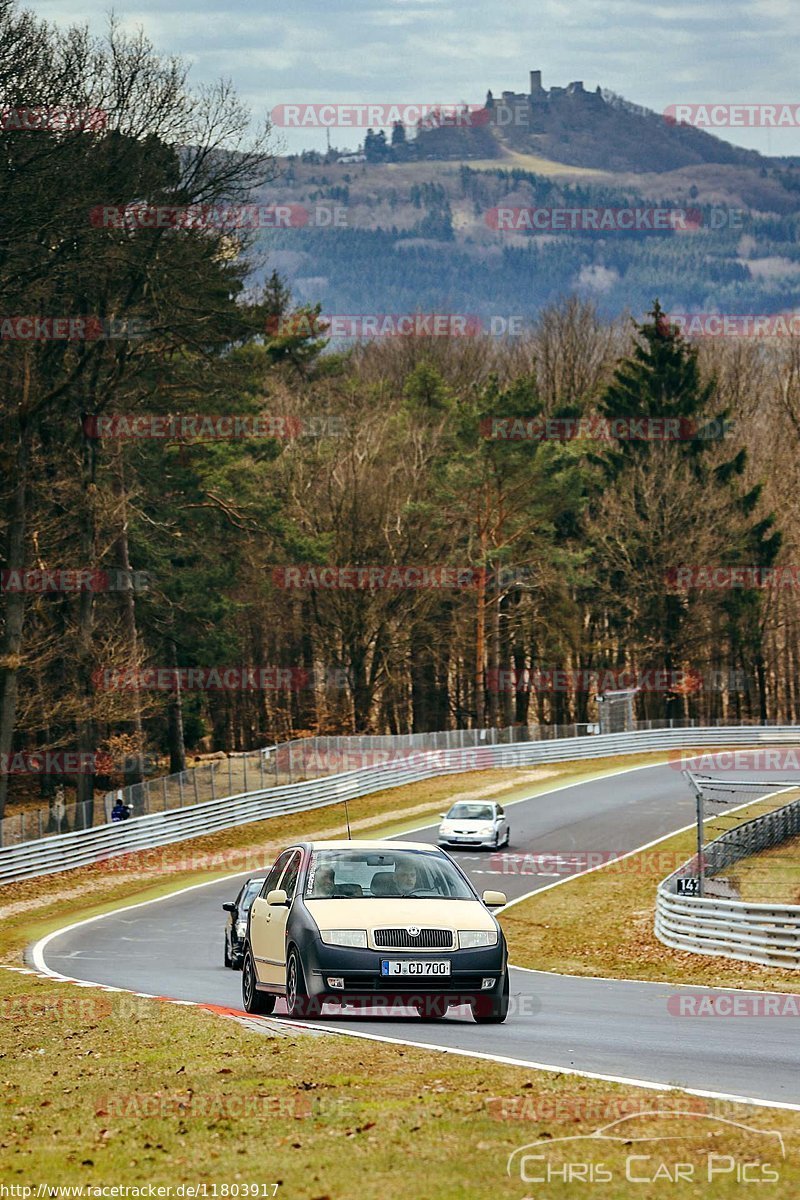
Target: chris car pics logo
[(664, 1148)]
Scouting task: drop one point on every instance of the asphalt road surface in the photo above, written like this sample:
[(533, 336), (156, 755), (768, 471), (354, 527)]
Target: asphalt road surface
[(174, 947)]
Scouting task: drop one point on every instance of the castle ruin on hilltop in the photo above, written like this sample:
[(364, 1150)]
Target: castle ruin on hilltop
[(530, 108)]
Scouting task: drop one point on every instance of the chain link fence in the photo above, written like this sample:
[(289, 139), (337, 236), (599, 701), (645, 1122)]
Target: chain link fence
[(273, 766)]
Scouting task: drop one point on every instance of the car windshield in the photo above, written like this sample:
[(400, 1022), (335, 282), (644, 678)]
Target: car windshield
[(251, 891), (471, 812), (343, 874)]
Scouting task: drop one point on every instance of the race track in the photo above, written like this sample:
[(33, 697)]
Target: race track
[(622, 1030)]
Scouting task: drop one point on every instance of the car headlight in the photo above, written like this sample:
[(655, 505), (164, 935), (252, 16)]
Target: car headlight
[(468, 939), (344, 937), (485, 830), (241, 928)]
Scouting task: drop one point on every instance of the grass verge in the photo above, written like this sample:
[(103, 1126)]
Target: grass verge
[(771, 877), (107, 1089)]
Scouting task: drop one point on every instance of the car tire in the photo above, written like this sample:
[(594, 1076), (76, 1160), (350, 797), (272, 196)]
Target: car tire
[(507, 842), (228, 959), (493, 1009), (254, 1001), (298, 1002)]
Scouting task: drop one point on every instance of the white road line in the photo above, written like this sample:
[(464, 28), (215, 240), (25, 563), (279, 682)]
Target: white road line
[(557, 1069)]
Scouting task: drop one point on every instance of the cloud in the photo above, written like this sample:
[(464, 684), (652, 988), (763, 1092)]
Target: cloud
[(597, 279), (379, 50)]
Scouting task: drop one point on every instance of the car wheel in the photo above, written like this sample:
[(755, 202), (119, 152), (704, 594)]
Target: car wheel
[(254, 1001), (228, 960), (507, 842), (298, 1001), (493, 1009), (432, 1008)]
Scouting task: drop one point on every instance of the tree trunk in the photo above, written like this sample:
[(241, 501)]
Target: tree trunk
[(480, 646), (177, 749), (134, 763), (86, 735), (493, 660), (11, 644)]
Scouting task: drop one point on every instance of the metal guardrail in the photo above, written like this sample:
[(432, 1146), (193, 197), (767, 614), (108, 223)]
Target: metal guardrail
[(270, 766), (762, 933), (81, 847), (242, 771)]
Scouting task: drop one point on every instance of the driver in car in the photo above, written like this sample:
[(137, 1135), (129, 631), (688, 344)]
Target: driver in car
[(405, 877)]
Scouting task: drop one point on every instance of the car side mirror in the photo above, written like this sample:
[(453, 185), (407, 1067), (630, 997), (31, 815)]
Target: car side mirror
[(494, 899), (277, 898), (229, 907), (442, 816)]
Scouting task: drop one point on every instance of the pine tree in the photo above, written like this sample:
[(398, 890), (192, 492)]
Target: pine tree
[(661, 379)]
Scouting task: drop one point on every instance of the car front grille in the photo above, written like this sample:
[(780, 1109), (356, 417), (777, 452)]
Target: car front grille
[(402, 939), (367, 985)]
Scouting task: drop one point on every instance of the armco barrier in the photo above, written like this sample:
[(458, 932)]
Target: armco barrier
[(761, 933), (76, 849)]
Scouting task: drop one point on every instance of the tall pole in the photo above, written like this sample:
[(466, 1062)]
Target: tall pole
[(698, 792)]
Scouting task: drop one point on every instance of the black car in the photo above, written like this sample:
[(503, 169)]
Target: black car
[(236, 927), (374, 923)]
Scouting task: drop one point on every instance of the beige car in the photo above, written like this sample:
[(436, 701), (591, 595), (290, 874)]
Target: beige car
[(374, 923)]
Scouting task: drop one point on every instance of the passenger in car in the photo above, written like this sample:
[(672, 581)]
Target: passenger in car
[(324, 883)]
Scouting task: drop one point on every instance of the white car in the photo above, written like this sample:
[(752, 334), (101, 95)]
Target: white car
[(475, 823), (374, 923)]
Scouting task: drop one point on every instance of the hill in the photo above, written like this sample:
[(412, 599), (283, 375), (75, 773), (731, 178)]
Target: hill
[(582, 128), (417, 227)]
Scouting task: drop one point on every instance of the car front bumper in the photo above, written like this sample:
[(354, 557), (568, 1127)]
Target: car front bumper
[(461, 842), (360, 973), (238, 947)]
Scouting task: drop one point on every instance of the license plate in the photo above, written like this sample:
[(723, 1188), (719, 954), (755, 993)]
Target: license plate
[(406, 966)]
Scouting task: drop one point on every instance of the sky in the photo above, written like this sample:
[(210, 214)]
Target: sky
[(410, 51)]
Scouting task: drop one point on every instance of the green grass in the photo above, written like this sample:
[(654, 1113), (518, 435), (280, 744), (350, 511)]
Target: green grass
[(771, 877), (107, 1089)]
